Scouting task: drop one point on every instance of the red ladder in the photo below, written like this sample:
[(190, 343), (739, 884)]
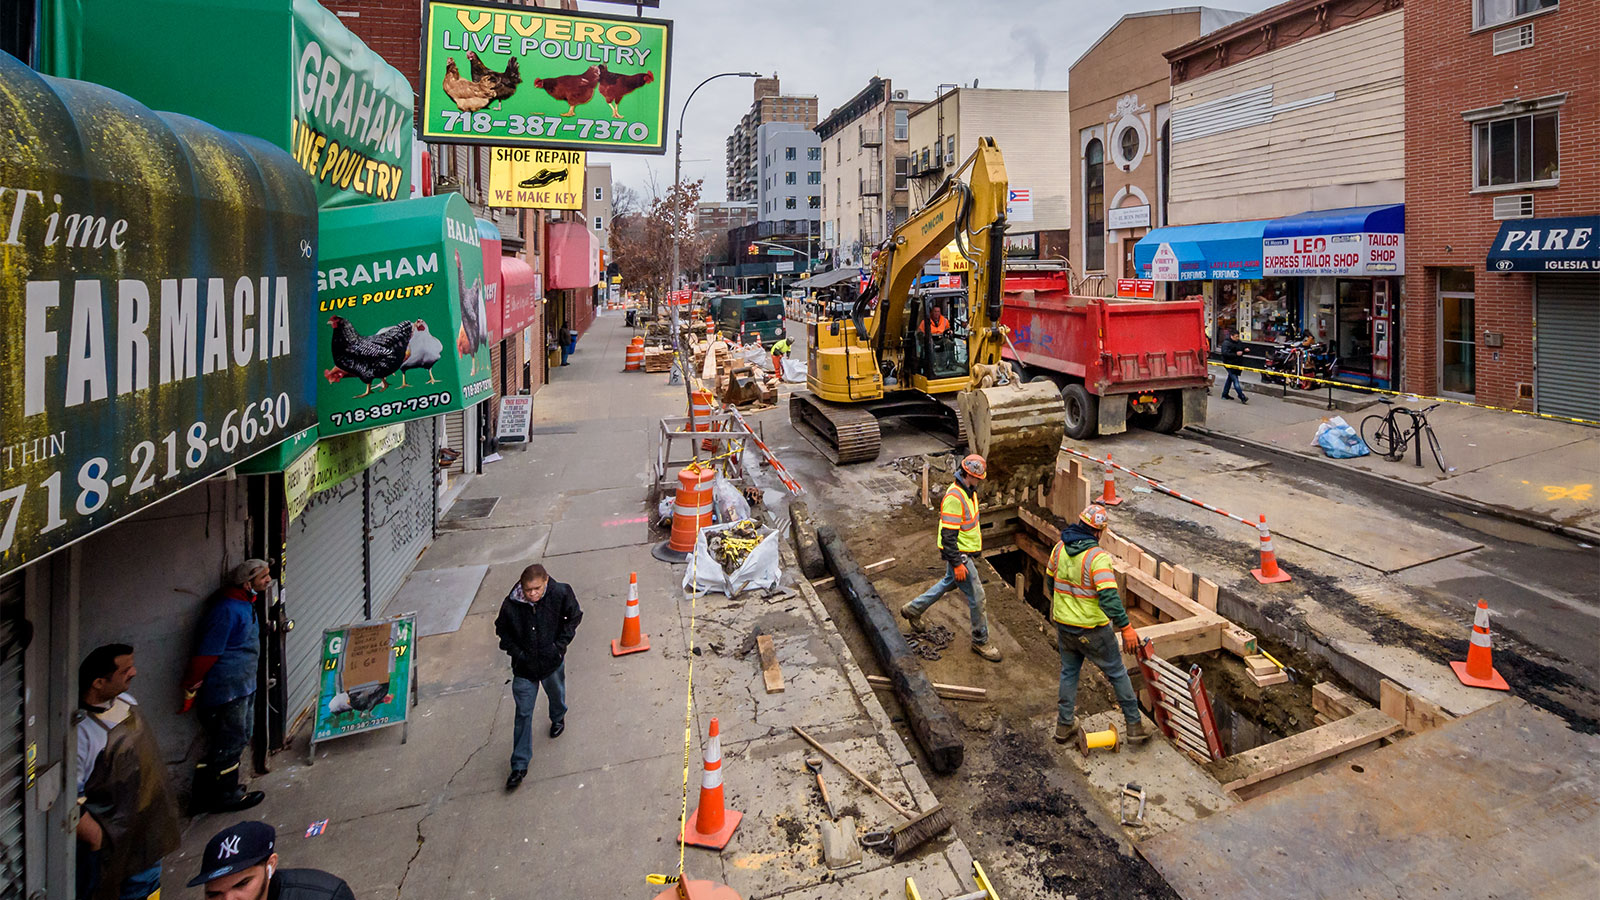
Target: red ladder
[(1182, 709)]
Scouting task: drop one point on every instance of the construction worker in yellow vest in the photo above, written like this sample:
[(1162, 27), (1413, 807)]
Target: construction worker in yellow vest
[(1088, 612), (959, 541)]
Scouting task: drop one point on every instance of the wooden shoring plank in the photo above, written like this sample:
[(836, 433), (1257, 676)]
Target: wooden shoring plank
[(1414, 714), (1334, 703), (1303, 749), (1197, 634), (1183, 583), (1205, 593), (1164, 573), (1162, 597)]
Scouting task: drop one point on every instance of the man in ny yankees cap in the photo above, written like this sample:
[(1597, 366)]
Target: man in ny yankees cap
[(240, 863)]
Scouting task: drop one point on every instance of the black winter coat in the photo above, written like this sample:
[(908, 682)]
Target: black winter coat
[(307, 884), (536, 635)]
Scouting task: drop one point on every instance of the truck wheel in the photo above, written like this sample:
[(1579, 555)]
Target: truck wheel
[(1083, 412), (1169, 415)]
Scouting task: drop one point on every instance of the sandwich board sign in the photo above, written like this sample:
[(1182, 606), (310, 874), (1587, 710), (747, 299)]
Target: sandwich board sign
[(516, 419), (367, 680)]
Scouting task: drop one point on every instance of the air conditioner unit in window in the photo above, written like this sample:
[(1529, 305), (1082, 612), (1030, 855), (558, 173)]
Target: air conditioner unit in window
[(900, 95), (1513, 206), (1509, 39)]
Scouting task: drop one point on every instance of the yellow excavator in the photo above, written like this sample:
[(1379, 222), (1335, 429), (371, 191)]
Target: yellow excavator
[(933, 354)]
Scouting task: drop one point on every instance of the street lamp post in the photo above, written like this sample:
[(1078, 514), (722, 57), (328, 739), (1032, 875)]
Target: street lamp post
[(677, 229)]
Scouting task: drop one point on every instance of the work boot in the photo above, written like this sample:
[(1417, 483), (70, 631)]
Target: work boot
[(914, 617), (1066, 732), (1139, 733), (230, 797), (202, 790), (987, 650)]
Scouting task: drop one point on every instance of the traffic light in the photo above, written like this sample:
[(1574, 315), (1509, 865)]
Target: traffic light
[(754, 250)]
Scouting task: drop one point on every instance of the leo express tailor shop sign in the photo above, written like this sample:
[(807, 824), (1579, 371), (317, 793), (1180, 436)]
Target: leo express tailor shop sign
[(510, 75), (156, 297), (403, 330)]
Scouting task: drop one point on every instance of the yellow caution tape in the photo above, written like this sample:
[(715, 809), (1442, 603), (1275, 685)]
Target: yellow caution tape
[(661, 879), (1291, 376)]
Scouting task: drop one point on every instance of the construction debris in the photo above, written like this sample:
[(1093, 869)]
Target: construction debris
[(918, 828), (771, 675), (947, 691), (731, 546)]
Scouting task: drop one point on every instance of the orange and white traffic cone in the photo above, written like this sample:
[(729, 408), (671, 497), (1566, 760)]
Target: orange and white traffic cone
[(1478, 670), (632, 640), (1269, 573), (711, 825), (1108, 493)]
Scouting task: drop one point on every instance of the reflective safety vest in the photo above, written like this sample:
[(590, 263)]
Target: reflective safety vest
[(1078, 580), (959, 510)]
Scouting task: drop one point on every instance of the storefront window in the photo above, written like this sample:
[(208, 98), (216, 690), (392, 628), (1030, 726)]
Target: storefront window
[(1272, 314), (1094, 208)]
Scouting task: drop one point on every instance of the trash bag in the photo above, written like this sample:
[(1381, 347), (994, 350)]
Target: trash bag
[(794, 371), (1340, 441), (727, 501), (664, 510), (762, 568)]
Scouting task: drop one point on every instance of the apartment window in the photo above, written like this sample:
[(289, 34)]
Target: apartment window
[(815, 201), (813, 178), (902, 124), (789, 203), (599, 224), (788, 153), (838, 191), (950, 151), (1094, 207), (902, 169), (1516, 152), (788, 178), (600, 193), (838, 151), (813, 153), (1493, 12)]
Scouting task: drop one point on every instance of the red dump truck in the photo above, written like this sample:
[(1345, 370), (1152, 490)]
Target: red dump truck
[(1115, 360)]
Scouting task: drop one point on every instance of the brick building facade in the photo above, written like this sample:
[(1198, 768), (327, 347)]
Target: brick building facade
[(1469, 329)]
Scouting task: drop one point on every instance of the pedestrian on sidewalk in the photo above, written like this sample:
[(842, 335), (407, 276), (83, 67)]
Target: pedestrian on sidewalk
[(241, 863), (1085, 605), (127, 819), (959, 540), (537, 621), (221, 682), (1232, 351), (568, 343)]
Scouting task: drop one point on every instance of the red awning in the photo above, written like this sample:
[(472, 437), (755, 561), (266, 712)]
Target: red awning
[(519, 284), (572, 258), (494, 291)]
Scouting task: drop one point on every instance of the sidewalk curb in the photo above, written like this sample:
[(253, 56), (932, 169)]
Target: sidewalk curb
[(1511, 515)]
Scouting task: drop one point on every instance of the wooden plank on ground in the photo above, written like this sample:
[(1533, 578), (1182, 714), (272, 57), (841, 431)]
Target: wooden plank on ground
[(1205, 593), (1237, 641), (947, 691), (770, 673), (1414, 714), (828, 581), (1303, 749), (1334, 703)]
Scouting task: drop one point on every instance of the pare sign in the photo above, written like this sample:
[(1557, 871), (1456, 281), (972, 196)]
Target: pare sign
[(1334, 254)]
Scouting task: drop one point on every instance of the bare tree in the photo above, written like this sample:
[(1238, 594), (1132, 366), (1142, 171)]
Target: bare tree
[(641, 241)]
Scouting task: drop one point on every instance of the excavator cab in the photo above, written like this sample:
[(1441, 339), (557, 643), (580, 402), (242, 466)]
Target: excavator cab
[(936, 341)]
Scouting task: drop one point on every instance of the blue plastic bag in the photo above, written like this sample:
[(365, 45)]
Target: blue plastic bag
[(1340, 441)]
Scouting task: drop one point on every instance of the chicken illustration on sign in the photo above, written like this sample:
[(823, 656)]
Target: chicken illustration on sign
[(533, 77), (403, 286)]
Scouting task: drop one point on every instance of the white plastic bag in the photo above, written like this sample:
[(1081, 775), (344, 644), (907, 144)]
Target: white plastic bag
[(794, 370), (727, 501), (761, 569)]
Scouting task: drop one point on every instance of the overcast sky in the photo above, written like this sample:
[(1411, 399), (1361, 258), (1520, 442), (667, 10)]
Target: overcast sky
[(830, 48)]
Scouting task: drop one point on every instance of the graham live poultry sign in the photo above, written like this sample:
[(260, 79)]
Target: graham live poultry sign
[(402, 329), (157, 278), (512, 75)]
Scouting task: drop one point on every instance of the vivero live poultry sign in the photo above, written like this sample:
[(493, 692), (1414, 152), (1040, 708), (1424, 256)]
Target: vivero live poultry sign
[(402, 332), (511, 75)]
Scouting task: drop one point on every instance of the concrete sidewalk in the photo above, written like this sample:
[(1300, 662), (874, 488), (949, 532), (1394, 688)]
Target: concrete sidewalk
[(430, 818), (1533, 470)]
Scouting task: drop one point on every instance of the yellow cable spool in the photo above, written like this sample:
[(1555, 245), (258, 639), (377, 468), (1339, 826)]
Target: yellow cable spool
[(1099, 740)]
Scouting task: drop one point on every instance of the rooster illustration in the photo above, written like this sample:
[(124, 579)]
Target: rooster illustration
[(474, 331), (373, 358)]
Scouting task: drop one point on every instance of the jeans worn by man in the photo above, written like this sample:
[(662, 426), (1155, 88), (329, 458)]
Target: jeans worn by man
[(537, 621)]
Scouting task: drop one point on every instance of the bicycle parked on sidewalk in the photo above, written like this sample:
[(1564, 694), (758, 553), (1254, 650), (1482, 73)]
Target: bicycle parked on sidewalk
[(1389, 437)]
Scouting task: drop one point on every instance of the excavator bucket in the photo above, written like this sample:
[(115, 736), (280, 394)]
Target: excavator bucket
[(1018, 429)]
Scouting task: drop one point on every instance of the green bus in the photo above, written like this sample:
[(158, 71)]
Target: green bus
[(755, 316)]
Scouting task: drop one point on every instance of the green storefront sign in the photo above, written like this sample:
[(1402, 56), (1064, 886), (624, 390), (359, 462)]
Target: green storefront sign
[(158, 280), (367, 677), (402, 329), (286, 71), (511, 75)]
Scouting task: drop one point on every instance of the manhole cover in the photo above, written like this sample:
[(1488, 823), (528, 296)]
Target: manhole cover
[(476, 508)]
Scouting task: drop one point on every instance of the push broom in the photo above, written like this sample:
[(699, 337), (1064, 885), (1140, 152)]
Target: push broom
[(918, 829)]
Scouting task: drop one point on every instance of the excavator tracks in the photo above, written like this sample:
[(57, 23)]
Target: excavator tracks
[(844, 434)]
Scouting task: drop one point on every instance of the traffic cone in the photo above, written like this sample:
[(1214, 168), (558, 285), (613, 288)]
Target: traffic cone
[(1269, 573), (1108, 494), (685, 888), (711, 825), (632, 641), (1478, 670)]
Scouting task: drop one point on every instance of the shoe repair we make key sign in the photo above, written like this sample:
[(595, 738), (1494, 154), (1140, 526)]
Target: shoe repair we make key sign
[(533, 178), (512, 75)]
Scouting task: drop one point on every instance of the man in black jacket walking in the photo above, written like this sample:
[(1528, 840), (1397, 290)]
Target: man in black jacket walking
[(1232, 351), (537, 621)]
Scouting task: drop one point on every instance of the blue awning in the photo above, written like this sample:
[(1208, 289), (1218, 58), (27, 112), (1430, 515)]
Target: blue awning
[(1222, 251), (1390, 219), (1354, 240), (1566, 244)]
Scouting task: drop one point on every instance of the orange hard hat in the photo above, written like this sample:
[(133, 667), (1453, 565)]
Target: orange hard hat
[(975, 467), (1095, 516)]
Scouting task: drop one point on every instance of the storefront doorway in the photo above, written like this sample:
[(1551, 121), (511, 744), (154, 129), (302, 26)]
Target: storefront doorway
[(1457, 333), (1353, 315)]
